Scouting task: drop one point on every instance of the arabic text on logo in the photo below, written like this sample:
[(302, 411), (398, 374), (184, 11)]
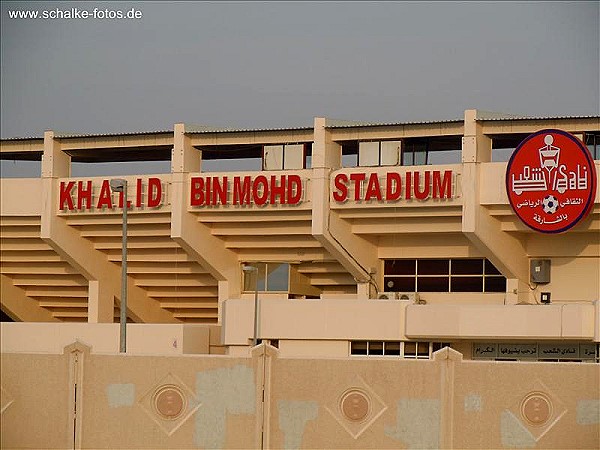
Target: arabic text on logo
[(551, 181)]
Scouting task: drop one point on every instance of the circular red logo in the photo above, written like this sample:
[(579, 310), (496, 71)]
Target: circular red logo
[(551, 181)]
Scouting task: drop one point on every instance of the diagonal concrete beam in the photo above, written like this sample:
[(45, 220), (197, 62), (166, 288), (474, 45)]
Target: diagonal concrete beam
[(94, 266), (81, 254), (196, 238), (19, 307)]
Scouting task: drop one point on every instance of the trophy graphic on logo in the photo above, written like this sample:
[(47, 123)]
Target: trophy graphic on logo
[(549, 156)]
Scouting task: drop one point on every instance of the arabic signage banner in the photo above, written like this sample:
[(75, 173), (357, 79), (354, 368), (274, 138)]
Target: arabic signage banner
[(551, 181), (541, 351)]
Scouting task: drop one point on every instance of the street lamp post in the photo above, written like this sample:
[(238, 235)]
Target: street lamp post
[(249, 269), (120, 185)]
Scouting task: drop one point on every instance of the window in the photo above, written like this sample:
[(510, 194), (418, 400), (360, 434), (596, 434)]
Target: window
[(414, 154), (379, 153), (504, 145), (271, 342), (442, 275), (431, 152), (231, 157), (285, 156), (269, 277), (404, 349), (592, 141)]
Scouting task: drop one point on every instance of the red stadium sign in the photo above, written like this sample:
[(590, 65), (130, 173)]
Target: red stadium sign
[(551, 181)]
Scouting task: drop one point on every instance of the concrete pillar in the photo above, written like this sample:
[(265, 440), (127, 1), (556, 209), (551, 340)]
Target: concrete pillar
[(104, 277), (57, 164), (506, 252), (194, 237), (357, 255), (185, 158)]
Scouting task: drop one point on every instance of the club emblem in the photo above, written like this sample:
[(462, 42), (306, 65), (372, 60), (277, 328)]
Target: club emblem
[(551, 181)]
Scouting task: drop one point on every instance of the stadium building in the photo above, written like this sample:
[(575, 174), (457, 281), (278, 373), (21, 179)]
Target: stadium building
[(426, 284)]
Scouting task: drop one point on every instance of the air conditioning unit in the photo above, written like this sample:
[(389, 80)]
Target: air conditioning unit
[(412, 297), (387, 296)]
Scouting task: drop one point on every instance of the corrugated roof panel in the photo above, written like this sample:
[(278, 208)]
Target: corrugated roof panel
[(67, 135), (62, 135), (22, 138), (331, 123), (207, 129), (510, 117), (349, 124)]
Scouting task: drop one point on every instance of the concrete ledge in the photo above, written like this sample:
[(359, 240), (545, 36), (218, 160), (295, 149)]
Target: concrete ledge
[(566, 321), (142, 339), (324, 319)]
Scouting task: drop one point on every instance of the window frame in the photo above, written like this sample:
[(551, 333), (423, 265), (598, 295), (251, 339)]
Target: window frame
[(593, 140), (380, 143), (406, 151), (486, 273), (283, 155), (396, 349), (264, 265)]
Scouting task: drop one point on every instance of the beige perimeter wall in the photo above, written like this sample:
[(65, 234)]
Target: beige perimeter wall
[(308, 403)]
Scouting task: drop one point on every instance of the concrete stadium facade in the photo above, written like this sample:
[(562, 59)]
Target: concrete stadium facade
[(398, 297)]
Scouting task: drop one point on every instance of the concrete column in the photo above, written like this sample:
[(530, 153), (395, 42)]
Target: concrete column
[(326, 153), (104, 277), (448, 359), (57, 164), (100, 307), (357, 255), (185, 158), (262, 360), (506, 252), (194, 237)]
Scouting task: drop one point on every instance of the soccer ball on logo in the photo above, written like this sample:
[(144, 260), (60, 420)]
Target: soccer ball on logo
[(550, 204)]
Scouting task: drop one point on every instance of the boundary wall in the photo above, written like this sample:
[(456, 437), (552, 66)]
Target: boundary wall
[(82, 399)]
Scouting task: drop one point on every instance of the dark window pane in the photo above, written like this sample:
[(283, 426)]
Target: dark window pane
[(392, 348), (467, 284), (432, 284), (277, 277), (439, 345), (467, 267), (410, 349), (399, 284), (433, 267), (358, 348), (250, 278), (420, 158), (495, 284), (490, 269), (375, 348), (423, 349), (399, 267)]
